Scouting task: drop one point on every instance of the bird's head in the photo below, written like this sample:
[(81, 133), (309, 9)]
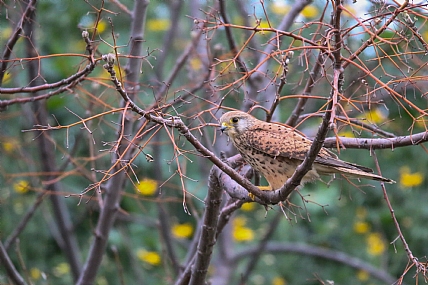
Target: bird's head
[(235, 123)]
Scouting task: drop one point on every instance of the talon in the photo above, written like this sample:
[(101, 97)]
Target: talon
[(252, 196), (262, 188)]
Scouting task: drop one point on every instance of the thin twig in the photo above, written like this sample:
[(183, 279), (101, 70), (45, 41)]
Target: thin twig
[(231, 42), (15, 36), (68, 240), (413, 259), (111, 201), (353, 122), (310, 83)]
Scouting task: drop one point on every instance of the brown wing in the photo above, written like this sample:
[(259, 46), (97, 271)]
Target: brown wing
[(282, 141)]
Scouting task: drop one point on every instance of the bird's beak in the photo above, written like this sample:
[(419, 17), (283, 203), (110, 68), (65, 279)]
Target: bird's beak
[(223, 127)]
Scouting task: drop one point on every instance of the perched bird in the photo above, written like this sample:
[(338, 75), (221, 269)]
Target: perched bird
[(275, 150)]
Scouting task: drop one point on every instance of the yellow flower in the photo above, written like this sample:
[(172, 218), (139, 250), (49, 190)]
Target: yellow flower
[(7, 76), (35, 273), (102, 25), (361, 227), (346, 133), (361, 213), (363, 275), (374, 116), (248, 207), (196, 63), (21, 187), (5, 32), (310, 11), (18, 208), (425, 35), (351, 9), (375, 244), (61, 269), (238, 20), (147, 187), (239, 221), (120, 72), (278, 281), (264, 25), (9, 146), (408, 180), (279, 8), (240, 232), (182, 230), (150, 257), (101, 280), (158, 25), (421, 122)]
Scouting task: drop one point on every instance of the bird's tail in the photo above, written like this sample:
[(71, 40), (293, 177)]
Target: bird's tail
[(357, 173)]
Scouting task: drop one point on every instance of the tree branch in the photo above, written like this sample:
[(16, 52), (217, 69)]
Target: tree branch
[(208, 236), (112, 192), (49, 166), (10, 268), (261, 247), (21, 225), (366, 143), (15, 36), (321, 252)]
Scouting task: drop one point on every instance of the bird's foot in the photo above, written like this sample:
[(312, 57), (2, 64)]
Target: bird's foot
[(262, 188)]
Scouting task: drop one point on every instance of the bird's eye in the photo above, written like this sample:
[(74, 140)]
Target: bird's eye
[(235, 120)]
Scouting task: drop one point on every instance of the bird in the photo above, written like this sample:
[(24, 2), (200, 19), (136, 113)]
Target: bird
[(275, 150)]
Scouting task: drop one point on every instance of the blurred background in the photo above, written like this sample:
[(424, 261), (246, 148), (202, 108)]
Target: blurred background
[(199, 59)]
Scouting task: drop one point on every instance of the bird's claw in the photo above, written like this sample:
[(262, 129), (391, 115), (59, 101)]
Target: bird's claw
[(262, 188)]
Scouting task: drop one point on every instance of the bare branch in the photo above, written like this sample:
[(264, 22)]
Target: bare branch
[(21, 225), (321, 252), (209, 229), (366, 143), (10, 268), (15, 36), (111, 201)]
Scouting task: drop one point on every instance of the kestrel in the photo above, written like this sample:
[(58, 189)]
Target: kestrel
[(275, 150)]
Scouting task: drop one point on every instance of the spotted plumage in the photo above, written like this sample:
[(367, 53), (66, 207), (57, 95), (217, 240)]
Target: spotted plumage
[(275, 150)]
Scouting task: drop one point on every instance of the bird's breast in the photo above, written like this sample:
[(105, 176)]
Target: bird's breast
[(276, 169)]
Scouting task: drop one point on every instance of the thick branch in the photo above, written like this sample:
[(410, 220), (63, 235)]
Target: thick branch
[(366, 143), (208, 237), (115, 184), (169, 37), (10, 268), (217, 180), (333, 255), (68, 241)]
